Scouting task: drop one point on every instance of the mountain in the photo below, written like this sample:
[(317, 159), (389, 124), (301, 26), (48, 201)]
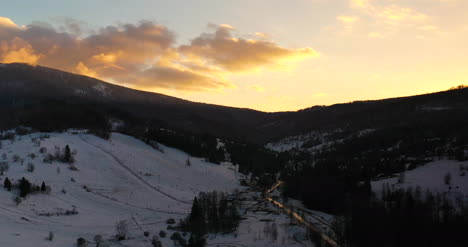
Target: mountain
[(50, 99), (35, 95)]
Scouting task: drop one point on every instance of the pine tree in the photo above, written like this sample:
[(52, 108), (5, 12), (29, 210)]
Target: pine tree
[(7, 184), (196, 240), (25, 187), (43, 187), (67, 155), (196, 219)]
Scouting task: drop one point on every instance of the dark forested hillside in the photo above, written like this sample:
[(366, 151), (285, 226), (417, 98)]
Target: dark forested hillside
[(43, 97)]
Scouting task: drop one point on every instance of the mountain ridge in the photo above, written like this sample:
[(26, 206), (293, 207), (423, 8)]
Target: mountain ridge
[(29, 90)]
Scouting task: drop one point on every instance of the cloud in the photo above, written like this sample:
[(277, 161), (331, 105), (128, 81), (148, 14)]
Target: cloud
[(257, 88), (18, 50), (389, 12), (348, 22), (221, 48), (375, 35), (347, 19), (7, 22), (190, 80), (390, 17), (143, 55)]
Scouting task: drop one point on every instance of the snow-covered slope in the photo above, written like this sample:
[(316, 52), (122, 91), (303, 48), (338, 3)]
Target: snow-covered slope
[(119, 179), (431, 177)]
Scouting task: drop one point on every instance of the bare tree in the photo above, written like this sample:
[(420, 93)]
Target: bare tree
[(156, 242), (448, 178), (274, 231), (121, 228), (4, 167), (98, 240), (401, 178), (51, 236)]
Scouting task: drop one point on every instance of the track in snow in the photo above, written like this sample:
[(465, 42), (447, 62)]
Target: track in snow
[(138, 177)]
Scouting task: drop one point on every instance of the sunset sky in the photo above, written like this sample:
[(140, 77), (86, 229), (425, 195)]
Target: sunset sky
[(268, 55)]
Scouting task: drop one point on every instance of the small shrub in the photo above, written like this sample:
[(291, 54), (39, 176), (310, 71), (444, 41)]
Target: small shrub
[(448, 178), (170, 221), (48, 158), (146, 234), (98, 240), (16, 158), (162, 234), (32, 155), (156, 242), (4, 167), (7, 184), (23, 131), (18, 200), (73, 167), (51, 236), (121, 229), (81, 242), (72, 211), (44, 136), (176, 237), (30, 167)]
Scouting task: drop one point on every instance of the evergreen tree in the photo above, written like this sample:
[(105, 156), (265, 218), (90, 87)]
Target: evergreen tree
[(67, 155), (25, 187), (176, 237), (7, 184), (43, 187), (196, 240), (196, 218)]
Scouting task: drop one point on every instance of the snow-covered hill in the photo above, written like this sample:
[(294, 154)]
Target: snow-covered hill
[(119, 179), (431, 177)]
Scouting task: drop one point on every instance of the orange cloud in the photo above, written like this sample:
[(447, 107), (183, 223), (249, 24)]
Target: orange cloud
[(144, 55), (7, 22), (82, 69), (18, 50), (188, 80), (240, 55)]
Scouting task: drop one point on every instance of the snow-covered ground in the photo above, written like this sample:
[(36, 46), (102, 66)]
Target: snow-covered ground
[(119, 179), (431, 177), (313, 141), (122, 179), (264, 225)]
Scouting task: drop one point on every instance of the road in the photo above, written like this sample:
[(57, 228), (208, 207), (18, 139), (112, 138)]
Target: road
[(325, 238)]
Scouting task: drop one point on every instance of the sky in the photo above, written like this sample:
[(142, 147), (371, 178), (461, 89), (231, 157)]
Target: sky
[(268, 55)]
